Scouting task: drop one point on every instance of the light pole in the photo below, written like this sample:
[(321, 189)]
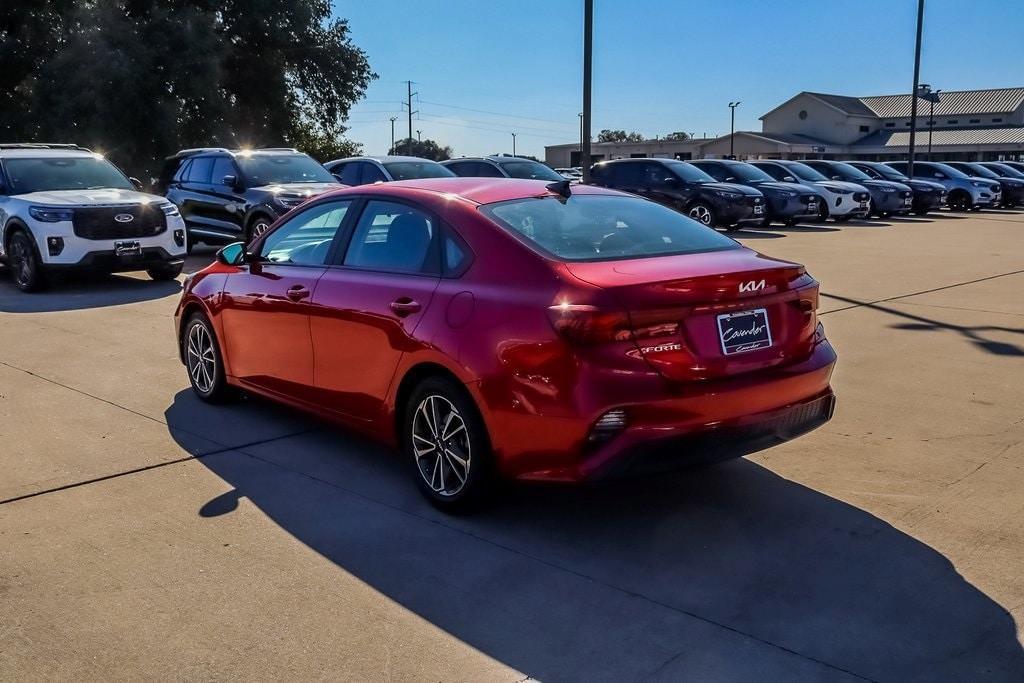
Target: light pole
[(588, 51), (419, 136), (581, 139), (932, 98), (393, 119), (513, 144), (913, 91), (732, 128)]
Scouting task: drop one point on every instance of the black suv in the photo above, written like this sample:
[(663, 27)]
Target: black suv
[(501, 167), (369, 170), (685, 188), (785, 202), (231, 195)]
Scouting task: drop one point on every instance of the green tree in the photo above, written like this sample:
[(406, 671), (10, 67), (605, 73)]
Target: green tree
[(678, 135), (428, 149), (608, 135)]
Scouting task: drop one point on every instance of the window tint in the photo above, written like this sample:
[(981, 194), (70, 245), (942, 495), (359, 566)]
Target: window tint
[(604, 227), (688, 172), (306, 238), (406, 170), (625, 175), (222, 166), (182, 173), (774, 171), (349, 172), (371, 174), (200, 170), (393, 237), (530, 170), (716, 171), (462, 168), (454, 255)]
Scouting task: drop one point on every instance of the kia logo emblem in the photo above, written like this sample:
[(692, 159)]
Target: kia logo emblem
[(752, 286), (124, 218)]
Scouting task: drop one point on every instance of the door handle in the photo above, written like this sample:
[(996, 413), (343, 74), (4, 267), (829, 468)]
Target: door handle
[(297, 293), (405, 306)]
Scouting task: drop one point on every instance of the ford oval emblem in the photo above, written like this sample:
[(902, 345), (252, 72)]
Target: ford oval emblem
[(124, 218)]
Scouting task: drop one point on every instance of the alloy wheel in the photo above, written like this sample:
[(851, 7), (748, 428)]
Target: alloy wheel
[(202, 362), (21, 261), (259, 227), (701, 213), (440, 441)]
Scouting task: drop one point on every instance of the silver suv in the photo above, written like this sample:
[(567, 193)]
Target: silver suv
[(965, 192)]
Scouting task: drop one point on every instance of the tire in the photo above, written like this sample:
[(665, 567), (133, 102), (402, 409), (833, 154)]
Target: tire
[(165, 272), (792, 222), (203, 360), (703, 213), (921, 212), (443, 480), (871, 209), (258, 225), (766, 222), (24, 263), (959, 201), (823, 212), (844, 218)]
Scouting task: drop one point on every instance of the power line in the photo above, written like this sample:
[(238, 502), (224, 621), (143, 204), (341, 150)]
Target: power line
[(495, 123), (496, 113)]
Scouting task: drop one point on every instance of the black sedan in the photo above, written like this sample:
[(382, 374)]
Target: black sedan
[(685, 188)]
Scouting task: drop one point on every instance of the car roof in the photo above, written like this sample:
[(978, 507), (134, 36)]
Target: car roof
[(260, 151), (475, 190), (387, 159), (46, 153)]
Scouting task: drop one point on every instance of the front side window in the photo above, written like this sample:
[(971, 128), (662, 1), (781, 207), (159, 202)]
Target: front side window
[(747, 172), (393, 237), (281, 169), (201, 170), (774, 170), (305, 240), (529, 170), (349, 172), (371, 174), (70, 173), (222, 166), (716, 171), (604, 227)]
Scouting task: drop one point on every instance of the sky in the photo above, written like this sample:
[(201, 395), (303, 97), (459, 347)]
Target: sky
[(487, 68)]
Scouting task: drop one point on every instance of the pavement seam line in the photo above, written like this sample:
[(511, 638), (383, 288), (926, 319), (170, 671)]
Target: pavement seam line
[(147, 468), (557, 567), (906, 296)]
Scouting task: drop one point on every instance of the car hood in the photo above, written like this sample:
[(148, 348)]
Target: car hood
[(899, 187), (840, 185), (925, 185), (89, 197), (299, 189), (733, 187), (1009, 182)]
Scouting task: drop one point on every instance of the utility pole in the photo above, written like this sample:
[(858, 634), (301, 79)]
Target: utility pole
[(408, 106), (732, 128), (581, 139), (393, 119), (419, 136), (913, 92), (513, 144), (588, 52)]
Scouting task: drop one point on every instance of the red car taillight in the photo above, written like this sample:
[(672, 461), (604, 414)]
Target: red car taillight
[(587, 324)]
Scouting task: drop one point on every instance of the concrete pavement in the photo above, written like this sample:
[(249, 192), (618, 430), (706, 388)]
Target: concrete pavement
[(143, 535)]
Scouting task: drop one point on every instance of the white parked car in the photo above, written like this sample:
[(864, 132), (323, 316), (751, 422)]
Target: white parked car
[(62, 206), (572, 174), (843, 200)]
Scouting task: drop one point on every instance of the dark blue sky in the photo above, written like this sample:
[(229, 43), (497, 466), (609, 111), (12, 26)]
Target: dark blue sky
[(486, 68)]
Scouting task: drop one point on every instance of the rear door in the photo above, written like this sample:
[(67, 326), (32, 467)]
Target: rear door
[(368, 305), (266, 306)]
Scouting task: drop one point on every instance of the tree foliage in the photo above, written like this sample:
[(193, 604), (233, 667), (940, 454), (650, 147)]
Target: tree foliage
[(678, 135), (428, 149), (608, 135), (140, 79)]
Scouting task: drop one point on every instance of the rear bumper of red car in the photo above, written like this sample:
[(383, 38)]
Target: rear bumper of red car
[(706, 423)]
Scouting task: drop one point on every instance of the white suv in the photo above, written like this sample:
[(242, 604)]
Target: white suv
[(62, 206)]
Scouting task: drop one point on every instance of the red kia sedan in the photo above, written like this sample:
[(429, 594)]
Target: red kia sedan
[(519, 329)]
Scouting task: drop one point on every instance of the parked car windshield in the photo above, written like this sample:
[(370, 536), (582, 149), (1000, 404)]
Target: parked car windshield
[(748, 172), (805, 172), (1007, 171), (948, 170), (847, 172), (689, 172), (72, 173), (604, 228), (980, 170), (280, 169), (409, 170), (888, 172), (531, 170)]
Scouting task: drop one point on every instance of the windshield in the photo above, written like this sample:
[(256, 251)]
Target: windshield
[(604, 228), (888, 172), (949, 170), (979, 170), (409, 170), (805, 172), (280, 169), (747, 172), (531, 170), (74, 173), (690, 173), (1007, 171), (848, 172)]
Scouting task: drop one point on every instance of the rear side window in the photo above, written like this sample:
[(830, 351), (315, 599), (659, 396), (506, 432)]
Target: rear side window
[(349, 172), (603, 228), (371, 174), (625, 175), (200, 170), (716, 171), (394, 237)]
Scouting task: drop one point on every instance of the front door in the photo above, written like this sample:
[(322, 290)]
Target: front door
[(366, 308), (266, 308)]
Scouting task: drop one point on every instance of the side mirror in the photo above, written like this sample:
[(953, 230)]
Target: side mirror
[(837, 177), (136, 182), (730, 179), (232, 255), (788, 179), (229, 180), (939, 175)]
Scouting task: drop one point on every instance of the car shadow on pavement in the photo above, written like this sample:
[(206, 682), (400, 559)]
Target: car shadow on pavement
[(730, 571), (921, 323), (77, 292)]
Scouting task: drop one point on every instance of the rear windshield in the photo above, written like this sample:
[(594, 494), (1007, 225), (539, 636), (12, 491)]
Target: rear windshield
[(411, 170), (531, 170), (274, 169), (604, 228), (76, 173)]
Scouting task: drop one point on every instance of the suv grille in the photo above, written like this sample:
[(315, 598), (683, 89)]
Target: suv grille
[(97, 223), (861, 196)]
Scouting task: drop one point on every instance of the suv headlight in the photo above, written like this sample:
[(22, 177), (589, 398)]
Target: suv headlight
[(725, 194), (788, 195), (978, 183), (169, 209), (48, 215), (838, 190), (289, 201)]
